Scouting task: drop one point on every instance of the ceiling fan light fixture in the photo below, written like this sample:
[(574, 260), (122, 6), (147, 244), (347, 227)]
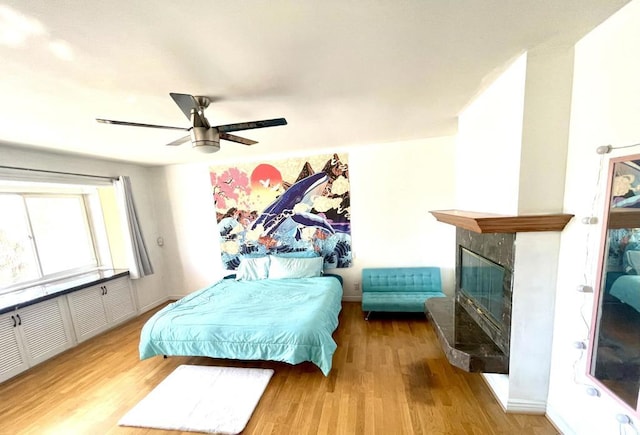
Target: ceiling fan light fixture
[(207, 147), (205, 140)]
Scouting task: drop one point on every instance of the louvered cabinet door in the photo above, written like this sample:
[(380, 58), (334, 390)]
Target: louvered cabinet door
[(46, 329), (13, 358), (88, 313), (119, 300)]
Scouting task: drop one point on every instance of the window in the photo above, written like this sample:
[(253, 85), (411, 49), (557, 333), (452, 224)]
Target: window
[(48, 233), (17, 256)]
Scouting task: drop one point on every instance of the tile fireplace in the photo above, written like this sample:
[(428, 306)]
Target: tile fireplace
[(474, 326)]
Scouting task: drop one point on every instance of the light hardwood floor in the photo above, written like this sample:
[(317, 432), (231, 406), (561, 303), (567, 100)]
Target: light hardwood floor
[(389, 376)]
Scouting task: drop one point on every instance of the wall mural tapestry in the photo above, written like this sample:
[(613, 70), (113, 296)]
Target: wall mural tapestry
[(299, 205)]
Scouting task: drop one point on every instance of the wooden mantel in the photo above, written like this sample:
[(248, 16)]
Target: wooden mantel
[(496, 223)]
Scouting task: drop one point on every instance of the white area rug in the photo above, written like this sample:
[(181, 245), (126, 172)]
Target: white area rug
[(201, 399)]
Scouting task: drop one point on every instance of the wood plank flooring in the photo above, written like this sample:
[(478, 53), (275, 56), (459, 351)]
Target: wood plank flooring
[(389, 376)]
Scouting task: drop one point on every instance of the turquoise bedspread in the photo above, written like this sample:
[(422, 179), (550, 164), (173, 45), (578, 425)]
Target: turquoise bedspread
[(290, 320)]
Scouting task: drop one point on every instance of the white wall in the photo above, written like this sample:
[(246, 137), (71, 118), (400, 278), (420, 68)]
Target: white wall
[(488, 145), (514, 131), (545, 129), (189, 226), (150, 290), (393, 187), (605, 110), (512, 145)]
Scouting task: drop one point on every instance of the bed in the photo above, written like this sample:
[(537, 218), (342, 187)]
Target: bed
[(627, 289), (290, 320)]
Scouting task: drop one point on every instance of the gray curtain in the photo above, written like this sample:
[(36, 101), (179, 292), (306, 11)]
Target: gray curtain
[(138, 260)]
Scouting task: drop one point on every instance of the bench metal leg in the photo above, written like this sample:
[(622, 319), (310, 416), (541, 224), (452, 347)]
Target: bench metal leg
[(367, 316)]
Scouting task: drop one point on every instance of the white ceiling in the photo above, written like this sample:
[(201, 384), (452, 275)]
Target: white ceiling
[(341, 72)]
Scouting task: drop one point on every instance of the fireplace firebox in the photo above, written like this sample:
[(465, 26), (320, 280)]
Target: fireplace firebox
[(484, 273), (481, 291)]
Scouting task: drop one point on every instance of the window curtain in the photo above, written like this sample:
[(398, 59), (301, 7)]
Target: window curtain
[(138, 260)]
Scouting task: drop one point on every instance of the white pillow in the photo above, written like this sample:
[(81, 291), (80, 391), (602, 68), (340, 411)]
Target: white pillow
[(285, 267), (253, 268)]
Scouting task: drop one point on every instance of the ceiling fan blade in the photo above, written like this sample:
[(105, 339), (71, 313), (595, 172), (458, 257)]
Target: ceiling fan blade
[(137, 124), (185, 102), (188, 104), (234, 138), (179, 141), (249, 125)]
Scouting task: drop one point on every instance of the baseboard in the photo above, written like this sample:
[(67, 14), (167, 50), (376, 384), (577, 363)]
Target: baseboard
[(153, 305), (520, 406), (557, 421), (499, 386), (352, 298), (175, 297)]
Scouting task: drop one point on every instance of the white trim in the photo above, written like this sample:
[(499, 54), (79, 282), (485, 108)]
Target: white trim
[(522, 406), (175, 297), (499, 386), (155, 304), (46, 176), (558, 422), (352, 298)]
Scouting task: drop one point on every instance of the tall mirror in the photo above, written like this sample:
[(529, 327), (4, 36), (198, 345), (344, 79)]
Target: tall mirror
[(615, 341)]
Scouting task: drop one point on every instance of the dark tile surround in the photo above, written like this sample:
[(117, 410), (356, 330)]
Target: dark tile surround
[(467, 338), (499, 248)]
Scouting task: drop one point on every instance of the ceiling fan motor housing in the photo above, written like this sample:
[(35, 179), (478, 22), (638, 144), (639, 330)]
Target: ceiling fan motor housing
[(206, 140)]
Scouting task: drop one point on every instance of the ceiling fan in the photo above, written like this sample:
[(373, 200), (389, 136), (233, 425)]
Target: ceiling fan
[(203, 135)]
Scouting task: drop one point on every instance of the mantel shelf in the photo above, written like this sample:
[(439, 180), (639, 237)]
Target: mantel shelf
[(624, 218), (496, 223)]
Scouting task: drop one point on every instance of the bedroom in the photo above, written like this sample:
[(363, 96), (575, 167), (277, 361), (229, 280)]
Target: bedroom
[(436, 178)]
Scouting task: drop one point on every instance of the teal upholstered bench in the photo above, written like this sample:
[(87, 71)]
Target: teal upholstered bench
[(399, 289)]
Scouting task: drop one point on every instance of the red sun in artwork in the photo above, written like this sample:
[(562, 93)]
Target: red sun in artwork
[(265, 176)]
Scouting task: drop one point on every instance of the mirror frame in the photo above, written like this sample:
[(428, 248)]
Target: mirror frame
[(600, 283)]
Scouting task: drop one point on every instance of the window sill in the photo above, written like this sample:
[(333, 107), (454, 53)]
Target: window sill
[(32, 295)]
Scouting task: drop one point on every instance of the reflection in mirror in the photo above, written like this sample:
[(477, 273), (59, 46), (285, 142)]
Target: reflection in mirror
[(615, 352)]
